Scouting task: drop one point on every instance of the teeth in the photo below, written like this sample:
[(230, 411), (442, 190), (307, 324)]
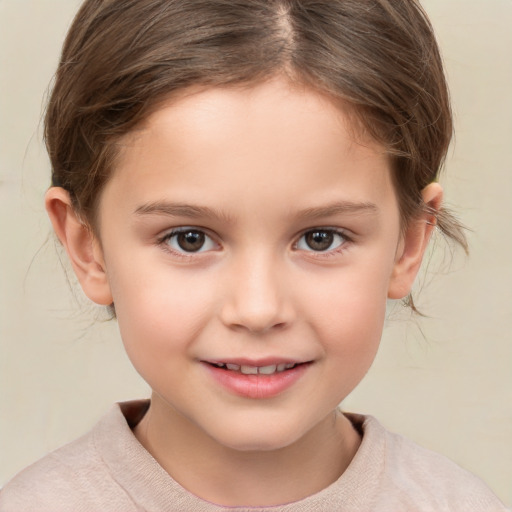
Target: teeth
[(267, 370), (262, 370), (249, 370), (255, 370)]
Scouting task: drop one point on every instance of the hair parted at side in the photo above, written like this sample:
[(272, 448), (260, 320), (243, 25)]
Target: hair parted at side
[(121, 58)]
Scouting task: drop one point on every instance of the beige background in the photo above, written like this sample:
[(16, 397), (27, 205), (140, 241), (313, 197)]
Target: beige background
[(450, 390)]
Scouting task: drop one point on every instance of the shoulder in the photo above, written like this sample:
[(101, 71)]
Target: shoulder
[(413, 476), (54, 482), (74, 477)]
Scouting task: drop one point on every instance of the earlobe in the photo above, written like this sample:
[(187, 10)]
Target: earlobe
[(414, 243), (81, 245)]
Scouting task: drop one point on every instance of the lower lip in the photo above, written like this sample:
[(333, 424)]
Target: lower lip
[(257, 386)]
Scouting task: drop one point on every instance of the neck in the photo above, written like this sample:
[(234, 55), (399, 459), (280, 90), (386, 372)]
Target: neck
[(230, 477)]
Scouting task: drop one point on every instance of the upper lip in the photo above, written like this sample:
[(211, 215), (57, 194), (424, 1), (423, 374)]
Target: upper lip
[(260, 362)]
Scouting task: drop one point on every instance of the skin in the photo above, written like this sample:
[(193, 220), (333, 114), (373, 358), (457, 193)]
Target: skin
[(260, 167)]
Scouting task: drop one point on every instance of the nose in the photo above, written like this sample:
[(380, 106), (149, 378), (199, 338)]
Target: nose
[(257, 298)]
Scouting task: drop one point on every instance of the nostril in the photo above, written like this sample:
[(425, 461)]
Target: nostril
[(264, 327), (256, 308)]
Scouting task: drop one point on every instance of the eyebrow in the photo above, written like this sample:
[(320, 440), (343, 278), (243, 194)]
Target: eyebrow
[(339, 208), (181, 210), (201, 212)]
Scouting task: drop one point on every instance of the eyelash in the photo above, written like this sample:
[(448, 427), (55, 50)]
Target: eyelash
[(164, 241), (328, 252)]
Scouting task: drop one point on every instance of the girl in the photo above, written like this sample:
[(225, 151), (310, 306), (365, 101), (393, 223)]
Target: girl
[(244, 185)]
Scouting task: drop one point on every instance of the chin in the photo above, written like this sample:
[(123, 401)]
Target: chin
[(256, 443), (252, 436)]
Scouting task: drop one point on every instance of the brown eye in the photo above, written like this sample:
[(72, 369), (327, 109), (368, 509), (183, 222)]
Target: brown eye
[(320, 240), (189, 240)]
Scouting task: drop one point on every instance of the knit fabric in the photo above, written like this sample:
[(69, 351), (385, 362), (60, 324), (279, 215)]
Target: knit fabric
[(108, 470)]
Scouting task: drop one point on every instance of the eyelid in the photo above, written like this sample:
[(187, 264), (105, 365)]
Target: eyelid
[(347, 239), (169, 234), (163, 239)]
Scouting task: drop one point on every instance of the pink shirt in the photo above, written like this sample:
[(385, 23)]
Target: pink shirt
[(108, 470)]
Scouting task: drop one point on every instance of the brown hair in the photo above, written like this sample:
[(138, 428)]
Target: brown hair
[(122, 57)]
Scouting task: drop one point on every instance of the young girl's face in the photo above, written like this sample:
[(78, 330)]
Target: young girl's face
[(245, 231)]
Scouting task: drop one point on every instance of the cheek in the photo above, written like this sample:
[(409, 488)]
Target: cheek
[(351, 328), (158, 310), (349, 312)]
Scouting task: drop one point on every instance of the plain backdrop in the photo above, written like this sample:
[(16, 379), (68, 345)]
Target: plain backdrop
[(445, 381)]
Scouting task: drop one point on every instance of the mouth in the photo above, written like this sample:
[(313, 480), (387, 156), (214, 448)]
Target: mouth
[(254, 379), (244, 369)]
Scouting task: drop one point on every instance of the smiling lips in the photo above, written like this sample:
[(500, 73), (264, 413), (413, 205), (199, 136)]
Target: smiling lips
[(256, 370), (256, 381)]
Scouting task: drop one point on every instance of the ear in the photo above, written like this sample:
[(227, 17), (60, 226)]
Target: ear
[(83, 248), (414, 243)]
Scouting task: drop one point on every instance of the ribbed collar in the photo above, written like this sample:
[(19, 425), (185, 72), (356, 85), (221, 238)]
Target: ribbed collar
[(153, 490)]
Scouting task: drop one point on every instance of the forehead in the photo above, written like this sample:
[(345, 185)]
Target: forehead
[(259, 111), (251, 141)]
